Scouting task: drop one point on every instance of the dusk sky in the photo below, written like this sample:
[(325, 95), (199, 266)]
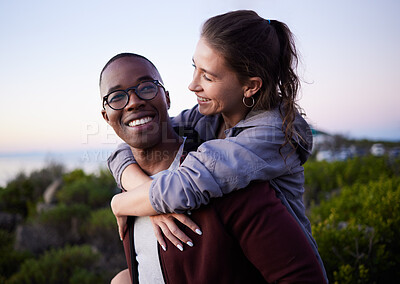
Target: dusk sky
[(52, 52)]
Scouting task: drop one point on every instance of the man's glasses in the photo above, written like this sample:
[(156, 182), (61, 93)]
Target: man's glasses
[(146, 90)]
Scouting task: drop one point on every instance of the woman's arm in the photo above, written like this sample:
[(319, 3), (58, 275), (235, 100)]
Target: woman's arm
[(221, 166), (134, 202), (133, 176), (123, 203)]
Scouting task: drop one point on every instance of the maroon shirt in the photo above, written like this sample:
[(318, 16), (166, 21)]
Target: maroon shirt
[(248, 237)]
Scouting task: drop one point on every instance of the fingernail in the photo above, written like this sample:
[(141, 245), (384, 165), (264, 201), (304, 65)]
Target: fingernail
[(180, 247), (120, 239), (190, 244), (163, 247), (199, 232)]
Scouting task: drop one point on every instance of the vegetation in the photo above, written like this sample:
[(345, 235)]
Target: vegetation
[(73, 239), (356, 221), (67, 265), (22, 193), (324, 178)]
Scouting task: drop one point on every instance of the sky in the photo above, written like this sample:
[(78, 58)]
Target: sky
[(52, 52)]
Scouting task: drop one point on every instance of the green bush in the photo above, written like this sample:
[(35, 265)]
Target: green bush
[(102, 219), (71, 264), (10, 260), (94, 191), (324, 178), (24, 191), (82, 215), (63, 214), (357, 232), (101, 231)]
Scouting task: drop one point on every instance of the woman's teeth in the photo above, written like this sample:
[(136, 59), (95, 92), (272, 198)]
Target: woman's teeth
[(140, 121), (203, 99)]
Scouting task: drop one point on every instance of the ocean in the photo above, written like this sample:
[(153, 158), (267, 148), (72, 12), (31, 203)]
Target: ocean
[(11, 164)]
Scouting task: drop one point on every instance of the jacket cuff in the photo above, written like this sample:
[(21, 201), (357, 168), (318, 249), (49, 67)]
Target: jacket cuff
[(153, 198)]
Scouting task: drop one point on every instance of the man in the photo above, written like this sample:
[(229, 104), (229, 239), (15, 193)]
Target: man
[(242, 241)]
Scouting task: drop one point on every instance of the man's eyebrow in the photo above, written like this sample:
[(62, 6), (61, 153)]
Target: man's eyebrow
[(204, 70), (112, 89), (138, 81)]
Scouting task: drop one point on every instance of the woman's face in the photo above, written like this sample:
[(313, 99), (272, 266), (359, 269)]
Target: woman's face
[(217, 87)]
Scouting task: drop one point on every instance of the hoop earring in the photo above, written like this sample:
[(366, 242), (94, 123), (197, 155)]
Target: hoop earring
[(252, 103)]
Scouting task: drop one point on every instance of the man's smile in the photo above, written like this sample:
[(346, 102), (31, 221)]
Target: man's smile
[(140, 121)]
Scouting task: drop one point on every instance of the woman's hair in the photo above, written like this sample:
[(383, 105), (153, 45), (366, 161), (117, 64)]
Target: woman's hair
[(256, 47)]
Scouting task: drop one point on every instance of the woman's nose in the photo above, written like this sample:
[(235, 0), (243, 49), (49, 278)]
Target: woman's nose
[(194, 86)]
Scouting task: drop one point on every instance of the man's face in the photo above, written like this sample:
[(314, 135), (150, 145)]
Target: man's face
[(141, 123)]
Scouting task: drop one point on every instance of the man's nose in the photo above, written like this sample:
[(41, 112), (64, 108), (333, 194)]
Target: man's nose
[(134, 101)]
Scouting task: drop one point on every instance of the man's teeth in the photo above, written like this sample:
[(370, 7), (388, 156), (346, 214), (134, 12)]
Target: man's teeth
[(140, 121), (203, 99)]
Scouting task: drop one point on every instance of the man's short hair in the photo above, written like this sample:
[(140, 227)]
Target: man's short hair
[(121, 55)]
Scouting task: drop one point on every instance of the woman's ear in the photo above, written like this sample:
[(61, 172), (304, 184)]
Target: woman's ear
[(252, 86)]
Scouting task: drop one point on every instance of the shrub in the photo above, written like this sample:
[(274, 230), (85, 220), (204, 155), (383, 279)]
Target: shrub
[(357, 232), (82, 215), (101, 231), (102, 219), (323, 178), (10, 260), (94, 191), (71, 264), (24, 191), (63, 214)]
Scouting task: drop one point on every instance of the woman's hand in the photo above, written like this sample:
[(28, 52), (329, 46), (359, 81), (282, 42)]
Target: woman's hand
[(165, 224)]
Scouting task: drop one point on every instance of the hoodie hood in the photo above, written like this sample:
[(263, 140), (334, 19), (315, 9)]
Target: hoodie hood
[(302, 134)]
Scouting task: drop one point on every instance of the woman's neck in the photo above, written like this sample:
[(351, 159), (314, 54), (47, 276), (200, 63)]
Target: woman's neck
[(229, 121)]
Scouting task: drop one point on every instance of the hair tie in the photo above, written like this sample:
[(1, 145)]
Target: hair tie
[(269, 21)]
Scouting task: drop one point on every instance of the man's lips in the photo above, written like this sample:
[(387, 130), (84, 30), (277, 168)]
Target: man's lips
[(140, 121), (201, 99)]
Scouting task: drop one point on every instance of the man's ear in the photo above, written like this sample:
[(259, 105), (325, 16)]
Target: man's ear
[(168, 99), (252, 86), (105, 116)]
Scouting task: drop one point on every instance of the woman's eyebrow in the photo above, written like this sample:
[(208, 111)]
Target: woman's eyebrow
[(205, 70)]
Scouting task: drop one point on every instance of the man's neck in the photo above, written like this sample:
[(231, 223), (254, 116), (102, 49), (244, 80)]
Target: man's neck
[(159, 157)]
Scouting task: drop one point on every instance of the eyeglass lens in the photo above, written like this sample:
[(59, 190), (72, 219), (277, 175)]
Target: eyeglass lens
[(119, 99)]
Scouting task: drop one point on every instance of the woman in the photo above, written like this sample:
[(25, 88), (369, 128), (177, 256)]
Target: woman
[(246, 87)]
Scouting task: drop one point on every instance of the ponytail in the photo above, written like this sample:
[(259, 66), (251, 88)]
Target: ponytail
[(288, 83)]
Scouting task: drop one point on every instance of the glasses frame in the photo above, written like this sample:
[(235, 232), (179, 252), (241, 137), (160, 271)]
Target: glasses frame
[(126, 91)]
